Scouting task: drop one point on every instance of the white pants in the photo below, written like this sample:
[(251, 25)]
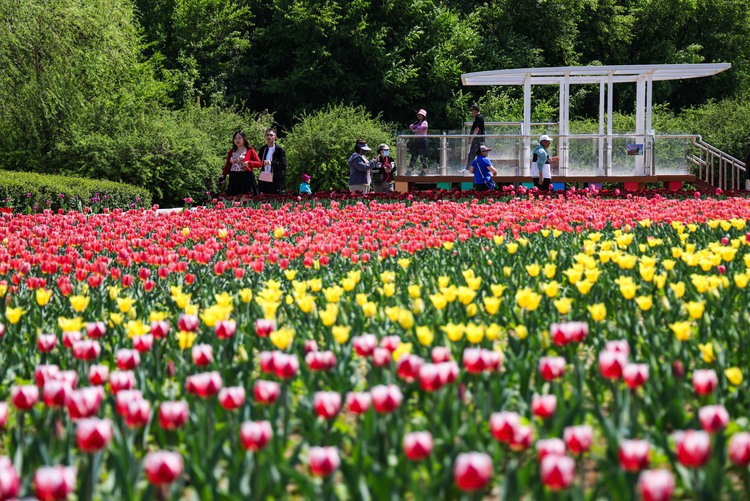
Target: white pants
[(364, 188)]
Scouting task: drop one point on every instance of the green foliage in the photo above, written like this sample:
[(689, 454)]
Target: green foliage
[(28, 191), (321, 143)]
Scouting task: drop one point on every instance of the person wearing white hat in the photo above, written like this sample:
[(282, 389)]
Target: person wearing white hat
[(419, 146), (541, 170), (359, 168)]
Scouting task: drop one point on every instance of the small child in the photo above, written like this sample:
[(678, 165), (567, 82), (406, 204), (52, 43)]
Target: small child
[(304, 186)]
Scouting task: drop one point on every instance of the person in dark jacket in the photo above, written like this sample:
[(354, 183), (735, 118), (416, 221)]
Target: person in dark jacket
[(359, 168), (273, 157)]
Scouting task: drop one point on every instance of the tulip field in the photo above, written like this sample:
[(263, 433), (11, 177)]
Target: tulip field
[(584, 345)]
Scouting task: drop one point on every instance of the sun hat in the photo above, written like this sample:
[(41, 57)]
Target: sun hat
[(545, 137), (422, 112), (362, 145), (383, 146), (305, 178), (483, 148)]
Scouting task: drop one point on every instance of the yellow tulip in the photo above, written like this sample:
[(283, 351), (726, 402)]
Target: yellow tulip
[(563, 305), (678, 289), (438, 301), (387, 277), (114, 319), (507, 271), (497, 289), (278, 232), (224, 300), (369, 309), (246, 295), (135, 328), (493, 332), (741, 280), (403, 349), (474, 283), (644, 302), (393, 312), (472, 310), (415, 291), (315, 284), (14, 314), (512, 247), (528, 299), (447, 245), (465, 295), (157, 316), (597, 311), (67, 324), (329, 314), (389, 289), (405, 319), (533, 269), (306, 304), (186, 339), (492, 304), (474, 333), (498, 239), (734, 375), (695, 309), (43, 296), (282, 338), (443, 281), (521, 331), (404, 262), (584, 286), (453, 331), (682, 330), (425, 335), (341, 333), (707, 350), (333, 294)]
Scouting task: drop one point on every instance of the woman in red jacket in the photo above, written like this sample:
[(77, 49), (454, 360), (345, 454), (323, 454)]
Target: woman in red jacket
[(241, 160)]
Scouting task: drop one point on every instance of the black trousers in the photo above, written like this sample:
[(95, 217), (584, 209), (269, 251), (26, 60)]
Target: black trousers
[(544, 186)]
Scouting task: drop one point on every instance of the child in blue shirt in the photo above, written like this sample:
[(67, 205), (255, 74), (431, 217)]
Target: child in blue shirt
[(304, 186)]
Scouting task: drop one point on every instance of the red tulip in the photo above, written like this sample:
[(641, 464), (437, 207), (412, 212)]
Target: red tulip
[(327, 404), (705, 381), (44, 373), (568, 332), (656, 485), (364, 345), (68, 377), (123, 399), (381, 357), (713, 418), (320, 360), (137, 413), (163, 467), (187, 323), (693, 448), (10, 482), (53, 483), (390, 343), (619, 346), (448, 372), (121, 380), (473, 360), (173, 415), (267, 359), (408, 367), (578, 439), (264, 328), (98, 374), (557, 472), (323, 460), (285, 366), (255, 435), (69, 338), (358, 403), (551, 367), (24, 397), (86, 350), (635, 375), (386, 399), (266, 392), (544, 406), (429, 377), (232, 397), (144, 343), (472, 471), (55, 393), (96, 330), (739, 449), (310, 345), (612, 363), (205, 384), (418, 445), (503, 425), (3, 415), (84, 403), (549, 447), (127, 359), (93, 435), (522, 439), (159, 328), (440, 354), (634, 454), (225, 329), (203, 354), (46, 342)]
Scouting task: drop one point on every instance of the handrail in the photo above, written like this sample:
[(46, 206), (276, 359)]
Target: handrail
[(717, 168)]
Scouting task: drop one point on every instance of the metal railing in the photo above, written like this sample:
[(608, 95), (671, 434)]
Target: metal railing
[(717, 168)]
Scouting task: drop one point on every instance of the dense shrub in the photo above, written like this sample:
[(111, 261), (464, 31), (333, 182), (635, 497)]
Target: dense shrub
[(29, 191), (321, 143)]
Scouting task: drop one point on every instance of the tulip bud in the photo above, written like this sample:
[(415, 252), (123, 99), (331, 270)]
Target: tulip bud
[(137, 413), (205, 384), (10, 482), (503, 425), (266, 392), (578, 439), (418, 445), (46, 342), (93, 435), (327, 404), (159, 329), (557, 472), (255, 435), (472, 471), (3, 417), (225, 329), (358, 403), (634, 454), (96, 330), (86, 350), (232, 397), (144, 343), (440, 354), (24, 397), (381, 357), (323, 461), (390, 343), (551, 367), (522, 438), (705, 381), (693, 448), (203, 354), (163, 467), (429, 377), (44, 373), (713, 418), (173, 415), (549, 447), (739, 449), (127, 359), (365, 345), (386, 399), (408, 367), (656, 485), (187, 323), (264, 328), (55, 393), (310, 346), (320, 360), (544, 406), (98, 374), (619, 346), (612, 363), (285, 366), (121, 380), (84, 403), (678, 369), (635, 375), (54, 482), (69, 338)]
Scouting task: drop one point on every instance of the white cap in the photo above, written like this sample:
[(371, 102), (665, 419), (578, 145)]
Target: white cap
[(545, 137)]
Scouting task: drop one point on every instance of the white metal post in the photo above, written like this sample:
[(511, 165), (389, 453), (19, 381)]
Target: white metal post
[(610, 89), (526, 157), (640, 121), (600, 170), (650, 139)]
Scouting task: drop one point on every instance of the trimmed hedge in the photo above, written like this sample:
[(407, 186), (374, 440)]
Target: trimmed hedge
[(32, 192)]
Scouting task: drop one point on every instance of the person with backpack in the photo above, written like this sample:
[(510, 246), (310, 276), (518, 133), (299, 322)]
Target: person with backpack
[(482, 169)]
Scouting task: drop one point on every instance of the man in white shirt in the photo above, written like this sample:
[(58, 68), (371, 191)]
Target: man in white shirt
[(273, 172)]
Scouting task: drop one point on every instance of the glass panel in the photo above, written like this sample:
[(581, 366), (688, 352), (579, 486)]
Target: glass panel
[(671, 155)]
